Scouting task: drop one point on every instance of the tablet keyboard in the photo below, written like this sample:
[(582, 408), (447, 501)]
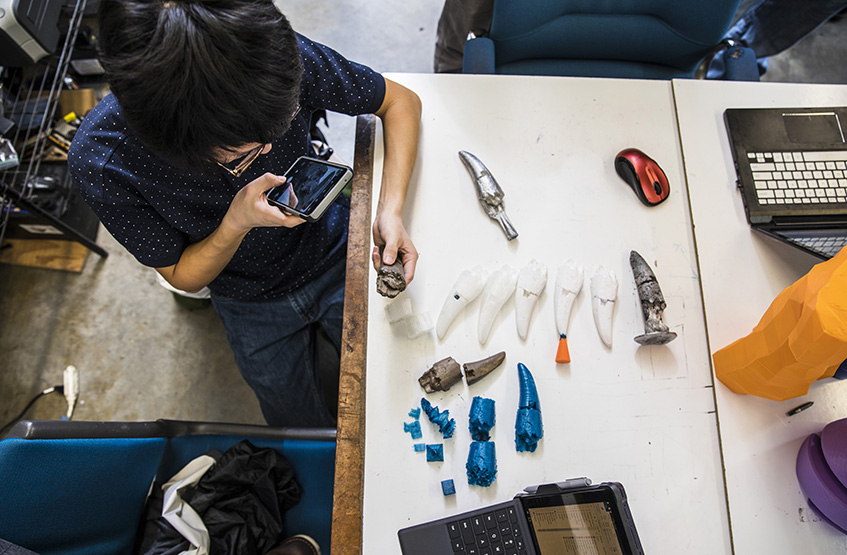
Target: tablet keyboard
[(818, 177), (492, 533)]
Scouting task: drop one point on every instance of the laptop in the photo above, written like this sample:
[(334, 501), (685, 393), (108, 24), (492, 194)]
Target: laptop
[(792, 171), (566, 518)]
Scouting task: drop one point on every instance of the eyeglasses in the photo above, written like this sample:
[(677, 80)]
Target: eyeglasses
[(245, 162), (251, 156)]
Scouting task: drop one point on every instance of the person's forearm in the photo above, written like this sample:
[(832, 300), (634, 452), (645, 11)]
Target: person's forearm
[(201, 262), (401, 117)]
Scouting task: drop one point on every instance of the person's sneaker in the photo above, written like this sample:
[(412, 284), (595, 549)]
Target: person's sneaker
[(297, 545)]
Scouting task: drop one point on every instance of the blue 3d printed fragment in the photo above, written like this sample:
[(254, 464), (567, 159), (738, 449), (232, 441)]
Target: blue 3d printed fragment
[(415, 413), (528, 428), (482, 463), (420, 447), (481, 418), (434, 452), (446, 425), (413, 428), (447, 487)]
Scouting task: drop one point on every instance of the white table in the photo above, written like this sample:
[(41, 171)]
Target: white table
[(742, 272), (644, 416)]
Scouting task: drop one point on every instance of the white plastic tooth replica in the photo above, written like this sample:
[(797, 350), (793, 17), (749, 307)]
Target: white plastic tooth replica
[(604, 291), (413, 323), (417, 324), (468, 286), (399, 309), (531, 281), (501, 286), (569, 280)]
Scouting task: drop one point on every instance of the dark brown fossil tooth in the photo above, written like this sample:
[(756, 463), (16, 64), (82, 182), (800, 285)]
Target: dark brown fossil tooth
[(443, 375), (475, 371)]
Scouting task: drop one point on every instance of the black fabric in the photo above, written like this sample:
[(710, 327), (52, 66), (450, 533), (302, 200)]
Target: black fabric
[(242, 500)]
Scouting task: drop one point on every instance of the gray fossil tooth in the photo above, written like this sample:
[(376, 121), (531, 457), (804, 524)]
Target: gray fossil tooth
[(652, 303), (489, 192), (475, 371), (443, 375), (390, 278)]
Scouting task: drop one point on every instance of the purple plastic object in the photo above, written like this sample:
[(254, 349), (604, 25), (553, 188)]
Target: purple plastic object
[(822, 516), (820, 485), (834, 446)]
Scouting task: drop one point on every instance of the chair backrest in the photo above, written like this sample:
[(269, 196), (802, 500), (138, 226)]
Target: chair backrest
[(75, 496), (658, 39), (74, 488)]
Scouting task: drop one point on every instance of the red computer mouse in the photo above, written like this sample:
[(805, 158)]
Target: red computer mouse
[(644, 175)]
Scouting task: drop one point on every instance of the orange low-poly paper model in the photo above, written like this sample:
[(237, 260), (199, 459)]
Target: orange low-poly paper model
[(802, 337)]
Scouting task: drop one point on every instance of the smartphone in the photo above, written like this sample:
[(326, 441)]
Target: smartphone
[(311, 185)]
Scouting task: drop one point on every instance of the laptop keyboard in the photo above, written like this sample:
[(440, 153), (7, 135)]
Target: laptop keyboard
[(492, 533), (818, 177), (826, 243)]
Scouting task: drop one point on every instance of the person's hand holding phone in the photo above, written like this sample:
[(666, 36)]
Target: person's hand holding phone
[(250, 207)]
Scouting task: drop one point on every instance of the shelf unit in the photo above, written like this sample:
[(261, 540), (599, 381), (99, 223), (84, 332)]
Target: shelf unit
[(37, 199)]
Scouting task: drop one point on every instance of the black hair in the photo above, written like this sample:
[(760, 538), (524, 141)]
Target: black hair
[(197, 76)]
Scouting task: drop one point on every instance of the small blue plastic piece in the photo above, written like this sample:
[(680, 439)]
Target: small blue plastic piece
[(481, 418), (482, 463), (447, 487), (413, 428), (415, 413), (419, 447), (434, 452), (446, 425), (528, 427)]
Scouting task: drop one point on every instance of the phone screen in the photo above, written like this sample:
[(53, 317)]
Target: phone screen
[(307, 183)]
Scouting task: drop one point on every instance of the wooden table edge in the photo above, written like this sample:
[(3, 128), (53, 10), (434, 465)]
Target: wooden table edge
[(350, 443)]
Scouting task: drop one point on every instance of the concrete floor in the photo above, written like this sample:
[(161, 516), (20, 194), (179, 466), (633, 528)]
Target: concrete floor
[(142, 356)]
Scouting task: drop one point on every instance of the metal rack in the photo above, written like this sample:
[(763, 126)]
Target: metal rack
[(43, 191)]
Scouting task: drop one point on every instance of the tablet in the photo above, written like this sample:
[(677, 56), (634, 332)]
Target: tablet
[(566, 518)]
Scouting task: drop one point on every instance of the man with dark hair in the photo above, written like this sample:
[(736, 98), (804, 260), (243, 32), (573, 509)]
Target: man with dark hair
[(211, 102)]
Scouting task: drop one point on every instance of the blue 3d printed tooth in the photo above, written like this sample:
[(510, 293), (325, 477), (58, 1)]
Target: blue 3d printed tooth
[(481, 418), (482, 463), (528, 428)]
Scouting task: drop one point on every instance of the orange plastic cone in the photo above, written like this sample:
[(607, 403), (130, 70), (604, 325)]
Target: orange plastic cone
[(563, 356)]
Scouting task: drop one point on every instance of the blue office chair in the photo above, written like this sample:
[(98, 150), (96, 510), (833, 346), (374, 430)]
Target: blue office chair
[(642, 39), (79, 488)]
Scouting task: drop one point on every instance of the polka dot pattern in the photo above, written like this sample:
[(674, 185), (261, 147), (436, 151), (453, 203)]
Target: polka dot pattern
[(155, 210)]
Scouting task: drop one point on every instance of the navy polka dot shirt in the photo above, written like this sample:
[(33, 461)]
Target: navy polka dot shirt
[(156, 211)]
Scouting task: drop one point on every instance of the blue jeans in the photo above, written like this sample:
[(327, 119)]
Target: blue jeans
[(772, 26), (273, 343)]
